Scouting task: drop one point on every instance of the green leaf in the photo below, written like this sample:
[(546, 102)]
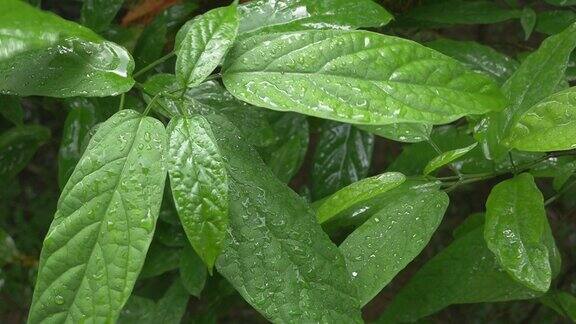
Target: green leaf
[(284, 15), (377, 250), (192, 272), (342, 157), (447, 158), (464, 272), (171, 307), (81, 118), (547, 126), (554, 21), (274, 244), (138, 310), (286, 155), (98, 14), (561, 302), (528, 21), (7, 248), (357, 192), (107, 211), (17, 147), (49, 56), (561, 2), (159, 260), (368, 78), (199, 184), (537, 77), (449, 12), (400, 132), (515, 231), (202, 43), (477, 57), (11, 109), (471, 223)]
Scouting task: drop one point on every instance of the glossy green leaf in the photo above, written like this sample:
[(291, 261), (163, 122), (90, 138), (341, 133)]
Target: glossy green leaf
[(276, 15), (377, 250), (447, 158), (356, 193), (107, 211), (342, 157), (477, 57), (193, 272), (17, 147), (401, 132), (199, 184), (528, 21), (11, 109), (448, 12), (537, 77), (286, 155), (464, 272), (547, 126), (46, 55), (202, 43), (276, 255), (515, 231), (554, 21), (98, 14), (367, 78), (81, 118)]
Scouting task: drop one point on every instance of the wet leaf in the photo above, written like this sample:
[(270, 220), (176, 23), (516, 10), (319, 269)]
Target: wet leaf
[(401, 132), (342, 157), (377, 250), (547, 126), (447, 158), (515, 231), (367, 78), (276, 254), (202, 43), (199, 184), (357, 192), (46, 55), (107, 211), (266, 15)]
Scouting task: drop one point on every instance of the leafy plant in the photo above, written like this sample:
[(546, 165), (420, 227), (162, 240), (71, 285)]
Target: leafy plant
[(287, 161)]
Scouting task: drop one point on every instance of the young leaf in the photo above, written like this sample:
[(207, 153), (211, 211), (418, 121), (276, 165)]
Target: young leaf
[(49, 56), (159, 260), (547, 126), (192, 272), (83, 115), (17, 147), (107, 211), (356, 193), (447, 158), (284, 15), (377, 250), (274, 244), (11, 109), (202, 43), (98, 14), (528, 21), (342, 157), (199, 184), (401, 132), (554, 21), (172, 306), (561, 302), (464, 272), (368, 78), (515, 231), (138, 310), (537, 78), (477, 57)]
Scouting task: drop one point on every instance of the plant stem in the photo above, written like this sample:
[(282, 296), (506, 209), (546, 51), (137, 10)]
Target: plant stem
[(154, 64), (122, 100)]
